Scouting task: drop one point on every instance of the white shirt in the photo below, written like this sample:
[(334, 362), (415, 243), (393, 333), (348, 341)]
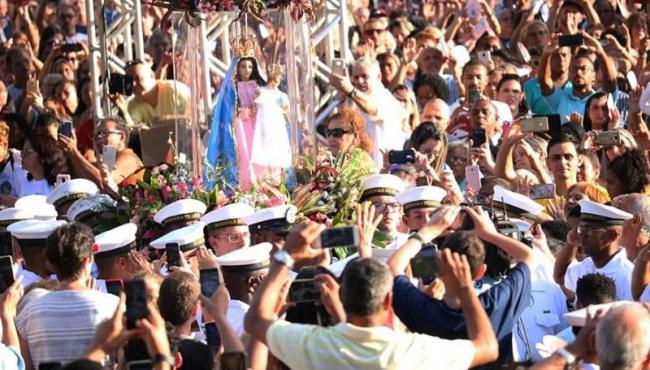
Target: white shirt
[(619, 269), (29, 277), (385, 127), (61, 325), (236, 312), (543, 317), (25, 187)]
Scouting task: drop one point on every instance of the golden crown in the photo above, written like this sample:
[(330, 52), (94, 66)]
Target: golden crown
[(275, 71), (243, 47)]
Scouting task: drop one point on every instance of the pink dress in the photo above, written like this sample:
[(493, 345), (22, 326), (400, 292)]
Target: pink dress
[(244, 131)]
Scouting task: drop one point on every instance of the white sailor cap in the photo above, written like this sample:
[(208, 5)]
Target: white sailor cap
[(33, 232), (253, 258), (70, 191), (421, 197), (522, 225), (516, 203), (90, 206), (383, 184), (37, 204), (278, 218), (116, 241), (188, 238), (600, 213), (9, 216), (231, 215), (180, 211)]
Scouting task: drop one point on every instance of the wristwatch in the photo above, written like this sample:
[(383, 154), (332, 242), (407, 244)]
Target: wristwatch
[(568, 357), (283, 258), (163, 358), (416, 236)]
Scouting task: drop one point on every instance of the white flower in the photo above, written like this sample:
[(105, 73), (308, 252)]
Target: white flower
[(182, 158)]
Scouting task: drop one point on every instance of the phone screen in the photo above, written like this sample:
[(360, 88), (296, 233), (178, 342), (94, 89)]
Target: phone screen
[(212, 336), (66, 128), (136, 301), (347, 236), (209, 280), (304, 290), (6, 245), (478, 137), (6, 273), (173, 254), (424, 266)]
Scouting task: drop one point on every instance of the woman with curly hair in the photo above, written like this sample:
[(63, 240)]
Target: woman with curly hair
[(627, 174), (43, 160), (346, 133)]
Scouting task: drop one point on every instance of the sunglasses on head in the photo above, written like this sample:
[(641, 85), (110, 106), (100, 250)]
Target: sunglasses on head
[(338, 132)]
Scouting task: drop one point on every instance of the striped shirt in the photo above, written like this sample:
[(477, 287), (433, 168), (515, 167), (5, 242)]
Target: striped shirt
[(60, 326)]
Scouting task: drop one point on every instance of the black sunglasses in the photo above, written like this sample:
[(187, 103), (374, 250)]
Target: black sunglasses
[(338, 132)]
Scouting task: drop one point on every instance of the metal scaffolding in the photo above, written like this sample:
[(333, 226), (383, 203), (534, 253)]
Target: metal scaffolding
[(328, 39)]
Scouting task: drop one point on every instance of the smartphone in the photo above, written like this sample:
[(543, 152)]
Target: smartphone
[(209, 279), (109, 154), (120, 84), (542, 191), (535, 124), (62, 179), (339, 67), (173, 253), (554, 123), (71, 47), (347, 236), (485, 57), (136, 301), (424, 266), (479, 137), (32, 86), (66, 128), (114, 287), (6, 273), (401, 156), (140, 365), (304, 290), (6, 245), (631, 79), (422, 181), (473, 178), (50, 366), (473, 95), (212, 336), (608, 138), (571, 40)]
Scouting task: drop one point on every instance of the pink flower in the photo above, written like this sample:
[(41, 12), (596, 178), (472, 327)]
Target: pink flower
[(276, 201), (165, 193)]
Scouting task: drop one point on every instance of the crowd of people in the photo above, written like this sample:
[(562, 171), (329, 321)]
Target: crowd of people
[(502, 220)]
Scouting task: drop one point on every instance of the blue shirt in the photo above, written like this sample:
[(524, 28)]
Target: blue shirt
[(563, 101), (537, 102), (503, 303)]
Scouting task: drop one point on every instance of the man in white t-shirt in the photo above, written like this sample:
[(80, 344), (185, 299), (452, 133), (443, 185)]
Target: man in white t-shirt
[(362, 340), (382, 112), (599, 231)]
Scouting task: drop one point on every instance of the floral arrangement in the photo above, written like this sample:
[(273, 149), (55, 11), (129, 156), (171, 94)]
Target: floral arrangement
[(192, 8), (160, 186), (330, 188)]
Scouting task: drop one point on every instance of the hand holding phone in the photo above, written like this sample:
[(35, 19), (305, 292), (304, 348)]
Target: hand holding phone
[(6, 273), (479, 137), (66, 129), (209, 280), (339, 67), (424, 265), (401, 156)]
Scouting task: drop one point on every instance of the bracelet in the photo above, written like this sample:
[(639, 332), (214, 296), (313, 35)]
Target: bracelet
[(417, 237), (353, 93), (163, 358)]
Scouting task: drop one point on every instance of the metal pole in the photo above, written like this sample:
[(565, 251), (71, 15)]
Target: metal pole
[(94, 56), (207, 86), (343, 31), (139, 36)]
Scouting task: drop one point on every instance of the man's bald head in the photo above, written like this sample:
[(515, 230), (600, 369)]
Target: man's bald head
[(436, 110), (622, 340)]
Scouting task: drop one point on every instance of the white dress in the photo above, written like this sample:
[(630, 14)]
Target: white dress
[(271, 146)]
